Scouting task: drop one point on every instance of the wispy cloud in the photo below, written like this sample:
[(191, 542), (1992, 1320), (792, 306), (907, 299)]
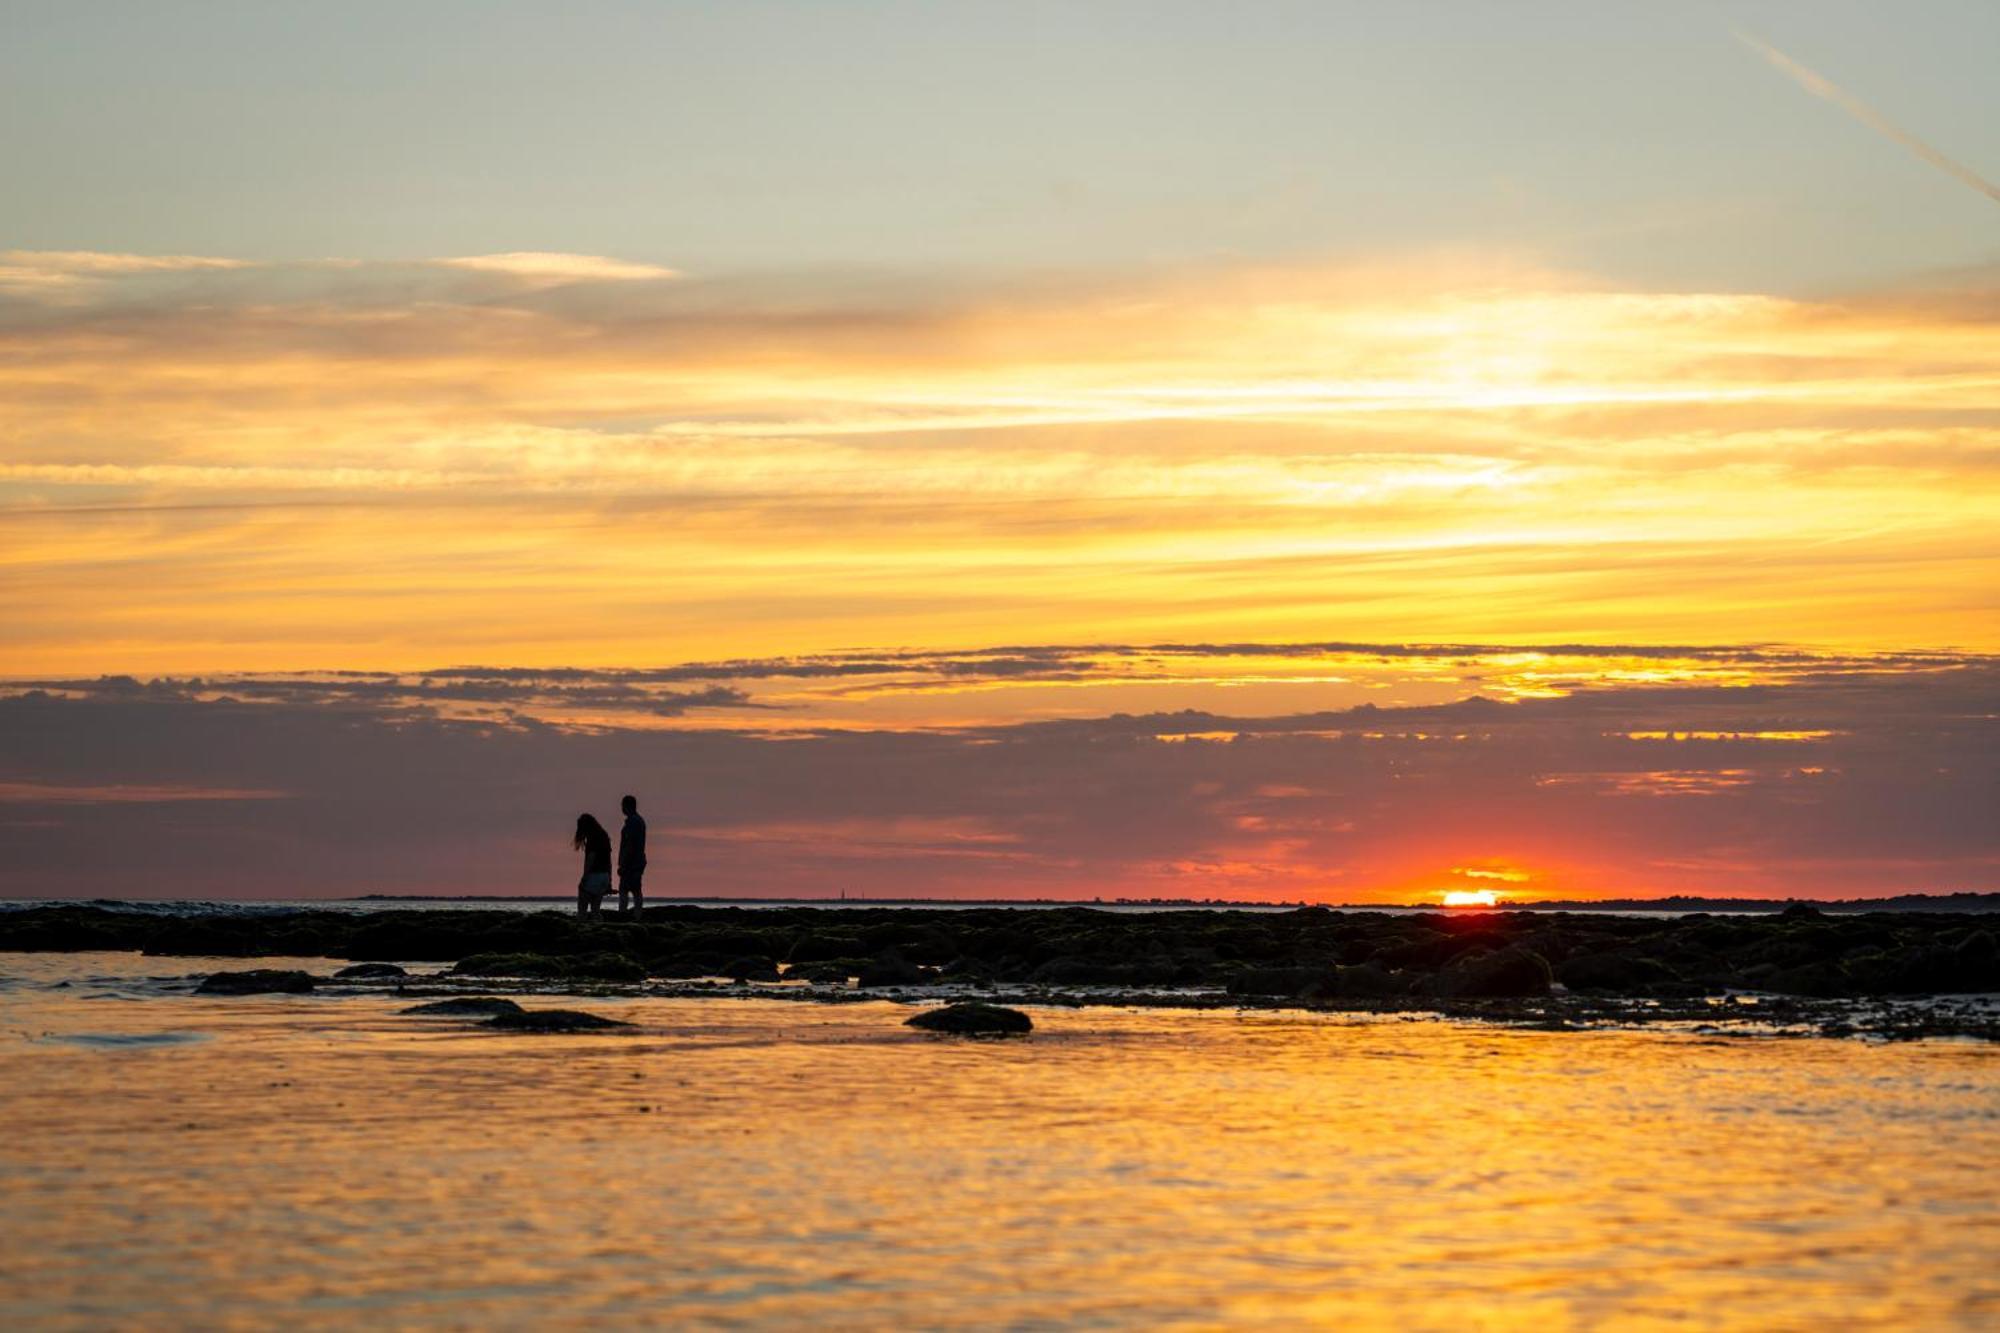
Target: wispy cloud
[(57, 273), (456, 463), (1264, 685), (553, 266)]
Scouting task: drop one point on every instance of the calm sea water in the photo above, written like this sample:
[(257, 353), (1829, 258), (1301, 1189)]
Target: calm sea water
[(177, 1161)]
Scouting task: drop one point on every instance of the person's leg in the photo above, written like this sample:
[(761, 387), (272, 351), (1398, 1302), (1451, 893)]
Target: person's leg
[(582, 903)]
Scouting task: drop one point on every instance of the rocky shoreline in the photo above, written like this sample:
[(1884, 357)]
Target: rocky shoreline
[(1879, 974)]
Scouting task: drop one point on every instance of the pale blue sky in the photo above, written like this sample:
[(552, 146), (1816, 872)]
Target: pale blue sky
[(1643, 142)]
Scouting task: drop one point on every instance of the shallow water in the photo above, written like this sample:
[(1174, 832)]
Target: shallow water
[(319, 1160)]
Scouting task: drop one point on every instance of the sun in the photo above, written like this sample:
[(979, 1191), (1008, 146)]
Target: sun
[(1471, 898)]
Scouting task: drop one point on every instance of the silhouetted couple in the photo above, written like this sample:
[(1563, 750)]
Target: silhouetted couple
[(595, 844)]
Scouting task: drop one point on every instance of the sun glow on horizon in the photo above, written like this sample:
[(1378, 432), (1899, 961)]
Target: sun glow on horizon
[(1471, 898)]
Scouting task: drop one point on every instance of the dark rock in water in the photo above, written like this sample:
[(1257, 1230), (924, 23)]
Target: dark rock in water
[(1277, 980), (973, 1020), (1363, 982), (684, 966), (1427, 950), (967, 972), (64, 930), (1508, 974), (552, 1020), (835, 973), (465, 1006), (511, 965), (606, 967), (1970, 964), (1615, 973), (257, 981), (1976, 962), (1824, 979), (1069, 970), (892, 970), (751, 969), (369, 972), (581, 967), (1800, 912), (814, 947)]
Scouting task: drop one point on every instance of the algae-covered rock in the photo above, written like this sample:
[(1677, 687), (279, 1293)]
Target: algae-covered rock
[(1068, 970), (683, 966), (369, 972), (69, 930), (544, 967), (1976, 962), (1615, 973), (834, 973), (973, 1019), (257, 981), (531, 965), (465, 1006), (552, 1020), (818, 947), (750, 969), (1277, 980), (606, 967), (1823, 979), (1364, 981), (892, 969), (1508, 974)]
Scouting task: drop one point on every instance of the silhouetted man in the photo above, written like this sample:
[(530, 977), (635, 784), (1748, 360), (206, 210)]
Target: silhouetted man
[(631, 856)]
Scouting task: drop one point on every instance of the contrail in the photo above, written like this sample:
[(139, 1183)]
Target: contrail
[(1820, 86)]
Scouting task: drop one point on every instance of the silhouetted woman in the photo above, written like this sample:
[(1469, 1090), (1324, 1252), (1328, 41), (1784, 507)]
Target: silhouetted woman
[(595, 844)]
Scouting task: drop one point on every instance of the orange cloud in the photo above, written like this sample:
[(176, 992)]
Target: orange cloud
[(556, 459)]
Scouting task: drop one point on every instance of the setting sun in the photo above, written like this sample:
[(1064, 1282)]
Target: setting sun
[(1471, 898)]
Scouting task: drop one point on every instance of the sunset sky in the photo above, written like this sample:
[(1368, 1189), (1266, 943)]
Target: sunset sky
[(1268, 451)]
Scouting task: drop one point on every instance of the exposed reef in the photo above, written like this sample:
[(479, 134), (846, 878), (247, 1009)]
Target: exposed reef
[(1312, 957), (973, 1019)]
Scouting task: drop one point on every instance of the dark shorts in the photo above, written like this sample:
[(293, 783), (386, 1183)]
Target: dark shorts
[(628, 880)]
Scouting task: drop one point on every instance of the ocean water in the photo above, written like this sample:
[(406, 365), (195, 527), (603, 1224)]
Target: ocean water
[(171, 1160)]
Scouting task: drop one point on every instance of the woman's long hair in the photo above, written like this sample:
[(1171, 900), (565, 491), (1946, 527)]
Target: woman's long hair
[(585, 826)]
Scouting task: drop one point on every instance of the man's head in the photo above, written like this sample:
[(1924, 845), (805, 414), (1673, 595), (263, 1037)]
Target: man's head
[(630, 805)]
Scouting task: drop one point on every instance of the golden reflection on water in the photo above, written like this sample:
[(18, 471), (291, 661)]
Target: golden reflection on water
[(173, 1160)]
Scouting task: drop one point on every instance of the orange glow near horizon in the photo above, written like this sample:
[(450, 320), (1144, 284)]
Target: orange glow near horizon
[(1471, 898)]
